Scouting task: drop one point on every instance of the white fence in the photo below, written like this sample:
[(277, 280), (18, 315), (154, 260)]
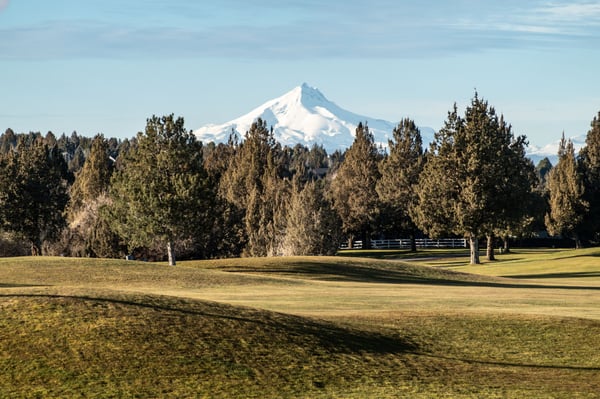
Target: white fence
[(404, 243)]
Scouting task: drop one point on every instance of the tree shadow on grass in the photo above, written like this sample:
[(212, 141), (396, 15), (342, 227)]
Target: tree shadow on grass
[(511, 364), (400, 274), (328, 336), (14, 285), (556, 275)]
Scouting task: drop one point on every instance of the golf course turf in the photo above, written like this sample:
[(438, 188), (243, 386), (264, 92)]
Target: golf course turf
[(527, 325)]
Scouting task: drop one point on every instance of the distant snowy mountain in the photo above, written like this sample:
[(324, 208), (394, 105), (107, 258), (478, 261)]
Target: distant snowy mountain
[(305, 116), (550, 151)]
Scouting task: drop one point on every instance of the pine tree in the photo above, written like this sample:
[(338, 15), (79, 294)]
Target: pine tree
[(77, 160), (541, 170), (353, 187), (590, 161), (161, 193), (441, 180), (566, 188), (254, 192), (475, 173), (8, 142), (33, 192), (266, 214), (89, 194), (312, 227), (217, 158), (511, 192), (400, 172), (93, 179)]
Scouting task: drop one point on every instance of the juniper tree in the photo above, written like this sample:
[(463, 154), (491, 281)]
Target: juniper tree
[(400, 171), (161, 191), (226, 237), (568, 206), (266, 214), (254, 192), (88, 194), (8, 141), (33, 192), (469, 168), (590, 161), (513, 200), (312, 226), (441, 180), (93, 180), (353, 187), (541, 170)]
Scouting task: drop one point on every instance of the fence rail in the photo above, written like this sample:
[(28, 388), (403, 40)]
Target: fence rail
[(404, 243)]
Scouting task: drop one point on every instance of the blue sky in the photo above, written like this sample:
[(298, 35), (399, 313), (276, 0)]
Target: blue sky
[(104, 66)]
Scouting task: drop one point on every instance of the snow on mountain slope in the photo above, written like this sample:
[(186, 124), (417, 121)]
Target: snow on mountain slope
[(550, 150), (305, 116)]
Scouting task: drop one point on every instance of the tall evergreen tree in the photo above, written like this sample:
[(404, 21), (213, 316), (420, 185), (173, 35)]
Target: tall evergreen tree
[(542, 169), (161, 192), (468, 169), (568, 206), (441, 180), (8, 141), (254, 190), (312, 227), (513, 204), (590, 160), (89, 193), (33, 192), (93, 180), (353, 187), (400, 172), (77, 160)]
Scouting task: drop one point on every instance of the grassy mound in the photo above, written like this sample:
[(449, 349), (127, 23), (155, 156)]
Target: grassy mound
[(57, 345), (67, 344), (308, 328), (349, 269)]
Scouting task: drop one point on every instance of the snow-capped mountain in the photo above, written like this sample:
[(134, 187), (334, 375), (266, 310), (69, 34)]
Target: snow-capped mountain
[(550, 151), (305, 116)]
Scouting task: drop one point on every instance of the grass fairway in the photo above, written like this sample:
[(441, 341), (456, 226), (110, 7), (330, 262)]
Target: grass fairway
[(527, 325)]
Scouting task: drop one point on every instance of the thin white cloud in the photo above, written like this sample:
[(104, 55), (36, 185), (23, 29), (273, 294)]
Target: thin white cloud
[(537, 29), (586, 13), (291, 30), (575, 19), (539, 23)]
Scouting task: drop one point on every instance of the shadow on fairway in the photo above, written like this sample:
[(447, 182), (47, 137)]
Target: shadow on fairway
[(328, 336), (511, 364), (556, 275), (12, 285), (397, 274)]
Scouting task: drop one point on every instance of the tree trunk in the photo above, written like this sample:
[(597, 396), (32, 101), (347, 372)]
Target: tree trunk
[(171, 253), (490, 248), (35, 250), (578, 244), (366, 240), (36, 247), (474, 243), (506, 245), (413, 242)]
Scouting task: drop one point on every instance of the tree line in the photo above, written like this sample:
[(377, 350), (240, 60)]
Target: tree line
[(164, 192)]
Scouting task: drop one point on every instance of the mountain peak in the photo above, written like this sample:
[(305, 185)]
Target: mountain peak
[(306, 95), (305, 116)]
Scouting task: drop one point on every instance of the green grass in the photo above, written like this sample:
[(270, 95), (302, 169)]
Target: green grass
[(306, 327)]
